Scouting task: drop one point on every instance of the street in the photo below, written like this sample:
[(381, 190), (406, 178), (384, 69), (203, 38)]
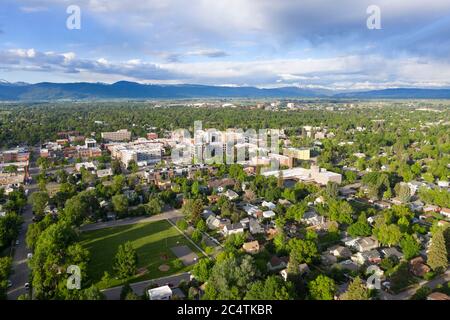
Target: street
[(407, 294), (139, 287), (20, 271)]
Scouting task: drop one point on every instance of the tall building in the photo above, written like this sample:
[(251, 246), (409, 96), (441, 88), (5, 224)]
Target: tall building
[(119, 135)]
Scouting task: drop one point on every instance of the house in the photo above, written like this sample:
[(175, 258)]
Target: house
[(372, 256), (104, 173), (255, 227), (245, 222), (268, 214), (349, 241), (366, 244), (251, 247), (212, 222), (311, 218), (328, 259), (416, 206), (445, 212), (90, 166), (232, 228), (438, 296), (160, 293), (269, 205), (340, 251), (418, 267), (348, 265), (430, 208), (275, 263), (389, 252), (231, 195), (206, 213), (252, 210), (382, 204)]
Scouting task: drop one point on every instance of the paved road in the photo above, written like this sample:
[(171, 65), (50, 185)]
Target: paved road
[(127, 221), (407, 294), (20, 271), (139, 287)]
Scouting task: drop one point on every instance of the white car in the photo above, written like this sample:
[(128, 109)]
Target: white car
[(27, 286), (9, 284), (17, 242), (29, 255)]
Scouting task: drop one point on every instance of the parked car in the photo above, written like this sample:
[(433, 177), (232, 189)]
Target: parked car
[(17, 242), (27, 286), (9, 284), (29, 255)]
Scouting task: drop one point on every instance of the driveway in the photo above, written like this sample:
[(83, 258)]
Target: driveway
[(127, 221), (139, 287)]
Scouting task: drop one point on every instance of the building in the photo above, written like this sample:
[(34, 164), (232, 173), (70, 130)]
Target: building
[(90, 166), (138, 151), (439, 296), (13, 178), (119, 135), (104, 173), (315, 174), (160, 293), (233, 228), (275, 263), (251, 247), (300, 154), (90, 143), (366, 244)]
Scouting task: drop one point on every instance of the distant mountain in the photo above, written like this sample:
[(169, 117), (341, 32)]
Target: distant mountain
[(132, 90), (21, 91), (398, 93)]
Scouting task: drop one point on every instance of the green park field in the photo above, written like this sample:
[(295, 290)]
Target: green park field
[(152, 241)]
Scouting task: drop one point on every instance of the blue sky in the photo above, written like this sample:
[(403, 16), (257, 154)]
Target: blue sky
[(306, 43)]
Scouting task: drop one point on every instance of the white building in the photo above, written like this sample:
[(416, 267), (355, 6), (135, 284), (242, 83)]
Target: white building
[(160, 293)]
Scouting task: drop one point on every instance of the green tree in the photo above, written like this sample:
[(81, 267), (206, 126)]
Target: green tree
[(303, 251), (202, 269), (322, 288), (410, 246), (38, 201), (120, 204), (356, 291), (437, 254), (125, 262), (272, 288)]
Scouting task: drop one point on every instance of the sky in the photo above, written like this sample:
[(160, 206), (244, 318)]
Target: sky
[(320, 44)]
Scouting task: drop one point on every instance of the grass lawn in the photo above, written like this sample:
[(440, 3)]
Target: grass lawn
[(152, 242)]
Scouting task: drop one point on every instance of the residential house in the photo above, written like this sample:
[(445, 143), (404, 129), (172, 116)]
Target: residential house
[(430, 208), (311, 218), (212, 222), (229, 229), (366, 244), (252, 210), (340, 251), (255, 227), (365, 257), (445, 212), (348, 265), (276, 263), (268, 214), (230, 194), (251, 247), (418, 267), (328, 259), (439, 296), (389, 252), (269, 205)]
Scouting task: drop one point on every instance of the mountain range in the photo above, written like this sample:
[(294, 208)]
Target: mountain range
[(43, 91)]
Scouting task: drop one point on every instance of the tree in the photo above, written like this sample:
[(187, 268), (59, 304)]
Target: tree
[(410, 246), (91, 293), (153, 206), (230, 278), (182, 224), (387, 234), (360, 228), (202, 269), (120, 204), (332, 189), (403, 192), (196, 235), (39, 200), (302, 251), (322, 288), (201, 225), (273, 288), (192, 209), (125, 262), (437, 254), (9, 228), (356, 291)]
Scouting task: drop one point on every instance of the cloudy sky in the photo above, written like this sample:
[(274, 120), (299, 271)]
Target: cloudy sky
[(307, 43)]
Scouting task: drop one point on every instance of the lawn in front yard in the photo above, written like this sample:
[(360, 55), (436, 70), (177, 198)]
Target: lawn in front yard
[(153, 242)]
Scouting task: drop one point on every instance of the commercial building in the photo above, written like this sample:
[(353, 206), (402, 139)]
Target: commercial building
[(315, 174), (139, 151), (119, 135)]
